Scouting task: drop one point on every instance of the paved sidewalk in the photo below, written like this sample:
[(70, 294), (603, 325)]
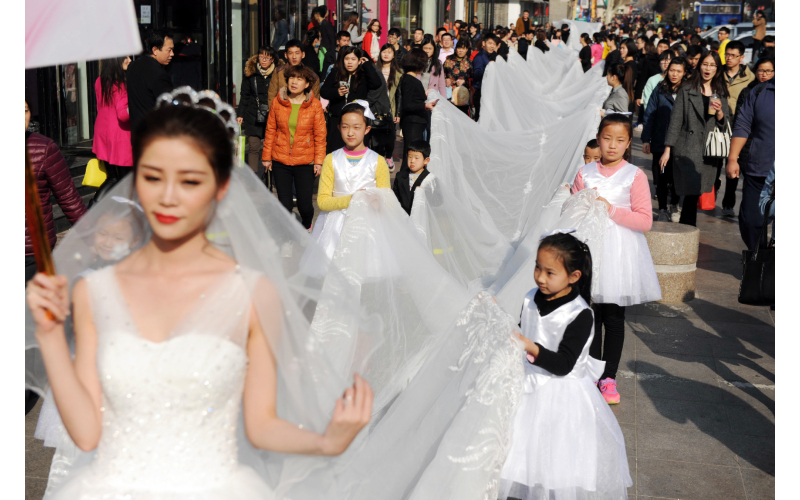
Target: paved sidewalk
[(697, 382)]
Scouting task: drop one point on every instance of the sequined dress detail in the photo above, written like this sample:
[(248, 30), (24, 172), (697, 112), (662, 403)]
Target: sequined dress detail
[(170, 409)]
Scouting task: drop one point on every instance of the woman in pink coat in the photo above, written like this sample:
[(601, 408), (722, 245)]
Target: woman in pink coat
[(112, 130)]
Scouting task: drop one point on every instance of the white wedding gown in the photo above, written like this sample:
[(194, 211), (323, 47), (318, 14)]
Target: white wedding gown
[(170, 409)]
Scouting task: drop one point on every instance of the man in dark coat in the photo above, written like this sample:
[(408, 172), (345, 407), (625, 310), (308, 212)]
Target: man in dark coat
[(755, 120), (326, 28), (147, 76)]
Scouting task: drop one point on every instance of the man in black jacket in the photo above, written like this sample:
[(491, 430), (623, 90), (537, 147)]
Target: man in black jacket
[(147, 76), (325, 27)]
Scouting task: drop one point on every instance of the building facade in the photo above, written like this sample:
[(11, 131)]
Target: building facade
[(214, 39)]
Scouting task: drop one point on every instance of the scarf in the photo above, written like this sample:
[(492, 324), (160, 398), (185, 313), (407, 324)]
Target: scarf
[(265, 72)]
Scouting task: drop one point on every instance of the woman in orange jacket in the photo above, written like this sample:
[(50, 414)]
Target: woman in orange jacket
[(294, 143)]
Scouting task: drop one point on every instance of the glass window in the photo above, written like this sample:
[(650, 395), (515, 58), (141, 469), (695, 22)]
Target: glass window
[(398, 18)]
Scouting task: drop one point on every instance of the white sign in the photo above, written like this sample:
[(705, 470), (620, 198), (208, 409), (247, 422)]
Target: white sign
[(145, 17)]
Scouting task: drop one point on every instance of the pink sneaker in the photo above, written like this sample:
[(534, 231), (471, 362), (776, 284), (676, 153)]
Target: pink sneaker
[(608, 388)]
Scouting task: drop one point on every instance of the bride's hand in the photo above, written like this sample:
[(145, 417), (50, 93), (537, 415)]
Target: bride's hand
[(48, 300), (352, 413)]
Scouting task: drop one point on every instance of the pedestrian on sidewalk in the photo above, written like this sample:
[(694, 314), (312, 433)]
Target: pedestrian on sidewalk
[(412, 105), (627, 275), (254, 105), (112, 127), (582, 436), (738, 78), (52, 177), (690, 124), (764, 71), (294, 145), (656, 123), (755, 120), (147, 76)]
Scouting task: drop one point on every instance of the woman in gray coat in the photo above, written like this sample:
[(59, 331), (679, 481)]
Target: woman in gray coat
[(689, 126)]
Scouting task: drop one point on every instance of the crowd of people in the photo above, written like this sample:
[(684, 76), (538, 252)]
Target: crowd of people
[(327, 108)]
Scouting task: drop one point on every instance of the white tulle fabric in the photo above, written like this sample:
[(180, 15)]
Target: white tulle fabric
[(494, 178), (567, 442), (627, 276)]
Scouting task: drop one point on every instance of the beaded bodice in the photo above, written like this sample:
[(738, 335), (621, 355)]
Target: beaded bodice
[(170, 408)]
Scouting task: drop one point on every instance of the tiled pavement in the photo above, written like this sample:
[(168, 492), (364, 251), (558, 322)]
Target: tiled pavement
[(697, 382)]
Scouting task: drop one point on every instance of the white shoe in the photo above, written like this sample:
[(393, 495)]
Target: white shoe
[(663, 216), (675, 213)]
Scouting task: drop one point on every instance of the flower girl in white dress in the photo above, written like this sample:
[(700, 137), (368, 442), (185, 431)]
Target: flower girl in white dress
[(173, 340), (567, 444)]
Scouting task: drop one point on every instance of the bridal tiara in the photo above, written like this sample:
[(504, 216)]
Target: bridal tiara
[(205, 99)]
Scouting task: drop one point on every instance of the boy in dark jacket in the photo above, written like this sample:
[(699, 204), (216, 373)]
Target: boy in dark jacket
[(408, 180)]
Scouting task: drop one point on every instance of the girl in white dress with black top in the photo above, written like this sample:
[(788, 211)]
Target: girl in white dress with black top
[(567, 444)]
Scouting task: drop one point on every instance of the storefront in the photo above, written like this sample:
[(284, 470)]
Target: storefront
[(214, 39)]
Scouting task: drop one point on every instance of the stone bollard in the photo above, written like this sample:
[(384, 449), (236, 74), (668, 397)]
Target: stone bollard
[(674, 250)]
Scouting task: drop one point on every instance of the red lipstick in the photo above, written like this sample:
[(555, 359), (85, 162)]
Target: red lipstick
[(166, 219)]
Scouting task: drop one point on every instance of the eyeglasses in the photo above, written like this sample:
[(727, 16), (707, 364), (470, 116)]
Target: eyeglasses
[(709, 66), (731, 55), (765, 71)]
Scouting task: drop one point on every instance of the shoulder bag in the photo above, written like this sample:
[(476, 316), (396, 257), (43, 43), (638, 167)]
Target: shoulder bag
[(718, 142), (758, 275), (262, 110)]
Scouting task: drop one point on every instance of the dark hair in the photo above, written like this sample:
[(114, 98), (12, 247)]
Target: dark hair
[(725, 29), (540, 36), (714, 45), (322, 10), (630, 45), (341, 71), (666, 55), (614, 119), (440, 29), (416, 60), (155, 40), (586, 38), (201, 126), (312, 35), (434, 64), (592, 144), (395, 32), (665, 83), (111, 75), (293, 43), (420, 146), (301, 71), (394, 66), (719, 85), (694, 51), (735, 44), (575, 256), (342, 34), (380, 28), (351, 20), (764, 60), (768, 39), (444, 35), (354, 107), (490, 36), (265, 49), (759, 13), (461, 44), (649, 48), (663, 41), (419, 29)]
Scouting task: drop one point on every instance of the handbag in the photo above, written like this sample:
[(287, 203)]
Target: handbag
[(707, 201), (262, 110), (718, 143), (96, 173), (382, 121), (758, 275)]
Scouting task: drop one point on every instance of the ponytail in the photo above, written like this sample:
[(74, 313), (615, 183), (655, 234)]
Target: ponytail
[(627, 82), (584, 284)]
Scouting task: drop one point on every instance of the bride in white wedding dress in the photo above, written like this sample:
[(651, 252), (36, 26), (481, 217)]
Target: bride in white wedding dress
[(174, 339)]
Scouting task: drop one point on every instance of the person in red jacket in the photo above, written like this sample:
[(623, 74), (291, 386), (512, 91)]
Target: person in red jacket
[(52, 176)]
